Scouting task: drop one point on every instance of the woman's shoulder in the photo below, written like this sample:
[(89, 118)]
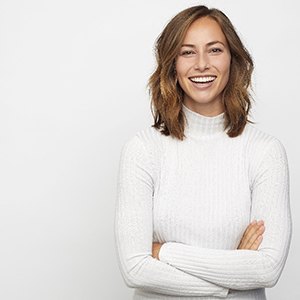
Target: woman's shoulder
[(147, 141), (148, 136), (260, 142), (265, 153), (144, 149), (259, 136)]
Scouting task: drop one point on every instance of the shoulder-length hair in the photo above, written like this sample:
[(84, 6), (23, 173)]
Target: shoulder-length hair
[(166, 93)]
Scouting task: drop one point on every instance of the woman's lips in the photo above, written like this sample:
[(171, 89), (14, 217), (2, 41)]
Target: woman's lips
[(202, 82)]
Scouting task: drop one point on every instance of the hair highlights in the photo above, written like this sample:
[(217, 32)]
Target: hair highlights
[(166, 93)]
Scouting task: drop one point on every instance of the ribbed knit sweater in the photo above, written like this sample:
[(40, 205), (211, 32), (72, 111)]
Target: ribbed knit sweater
[(197, 197)]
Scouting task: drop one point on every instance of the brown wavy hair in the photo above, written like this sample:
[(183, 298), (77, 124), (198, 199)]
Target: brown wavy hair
[(167, 95)]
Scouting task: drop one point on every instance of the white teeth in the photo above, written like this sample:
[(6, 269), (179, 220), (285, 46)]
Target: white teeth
[(203, 79)]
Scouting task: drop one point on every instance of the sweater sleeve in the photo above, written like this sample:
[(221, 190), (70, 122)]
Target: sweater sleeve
[(134, 232), (248, 269)]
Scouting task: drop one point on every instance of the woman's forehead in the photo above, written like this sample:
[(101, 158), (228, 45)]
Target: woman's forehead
[(203, 31)]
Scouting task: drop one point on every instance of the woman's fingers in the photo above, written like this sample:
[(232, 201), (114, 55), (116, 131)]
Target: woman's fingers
[(252, 236), (250, 227), (256, 243), (248, 232)]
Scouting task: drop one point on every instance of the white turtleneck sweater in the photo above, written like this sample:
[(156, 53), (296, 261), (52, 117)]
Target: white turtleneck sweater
[(197, 197)]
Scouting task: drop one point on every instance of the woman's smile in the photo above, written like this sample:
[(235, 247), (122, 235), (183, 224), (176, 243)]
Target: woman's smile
[(203, 66), (202, 82)]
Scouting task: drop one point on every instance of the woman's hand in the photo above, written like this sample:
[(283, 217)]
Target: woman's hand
[(155, 249), (252, 237)]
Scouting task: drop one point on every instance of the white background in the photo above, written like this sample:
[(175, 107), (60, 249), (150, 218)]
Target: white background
[(73, 78)]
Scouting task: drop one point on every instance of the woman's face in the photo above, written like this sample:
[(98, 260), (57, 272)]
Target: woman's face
[(203, 67)]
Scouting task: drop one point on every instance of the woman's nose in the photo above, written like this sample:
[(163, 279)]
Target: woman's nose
[(202, 62)]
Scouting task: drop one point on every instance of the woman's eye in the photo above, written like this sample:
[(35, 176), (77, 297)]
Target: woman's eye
[(187, 52), (216, 50)]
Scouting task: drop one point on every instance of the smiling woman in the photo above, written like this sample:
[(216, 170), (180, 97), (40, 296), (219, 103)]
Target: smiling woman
[(192, 186), (203, 67), (193, 34)]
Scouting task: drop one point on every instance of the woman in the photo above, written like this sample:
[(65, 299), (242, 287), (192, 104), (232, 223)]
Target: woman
[(193, 186)]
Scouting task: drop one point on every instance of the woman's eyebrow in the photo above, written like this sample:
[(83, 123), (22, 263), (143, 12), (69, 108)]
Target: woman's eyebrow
[(188, 45), (208, 44), (214, 42)]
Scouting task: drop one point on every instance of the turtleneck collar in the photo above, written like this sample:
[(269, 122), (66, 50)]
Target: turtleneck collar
[(202, 126)]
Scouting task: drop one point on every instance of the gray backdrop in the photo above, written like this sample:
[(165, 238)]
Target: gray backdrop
[(73, 80)]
